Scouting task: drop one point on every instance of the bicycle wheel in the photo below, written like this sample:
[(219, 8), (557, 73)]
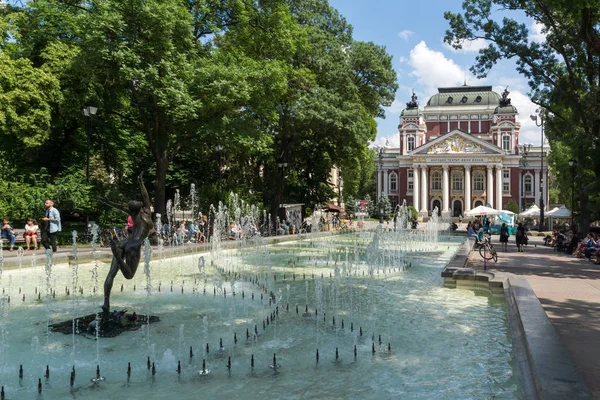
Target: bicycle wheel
[(486, 252), (494, 254)]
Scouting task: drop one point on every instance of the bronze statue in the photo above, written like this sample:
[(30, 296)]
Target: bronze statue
[(127, 252)]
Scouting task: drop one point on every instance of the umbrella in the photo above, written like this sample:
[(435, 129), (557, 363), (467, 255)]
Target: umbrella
[(533, 211), (481, 210), (562, 212)]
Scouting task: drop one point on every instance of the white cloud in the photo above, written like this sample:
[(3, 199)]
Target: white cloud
[(469, 46), (402, 60), (530, 132), (536, 33), (405, 34), (394, 140), (396, 107), (433, 70)]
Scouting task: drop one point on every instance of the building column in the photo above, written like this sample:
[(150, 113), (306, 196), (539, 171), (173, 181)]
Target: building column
[(520, 190), (424, 189), (379, 183), (490, 186), (404, 143), (386, 180), (467, 206), (499, 187), (416, 187), (536, 187), (445, 190)]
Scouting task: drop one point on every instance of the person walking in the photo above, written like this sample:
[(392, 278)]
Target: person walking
[(52, 226), (520, 237), (504, 236)]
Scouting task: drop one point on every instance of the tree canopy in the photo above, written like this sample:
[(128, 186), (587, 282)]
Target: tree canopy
[(219, 94)]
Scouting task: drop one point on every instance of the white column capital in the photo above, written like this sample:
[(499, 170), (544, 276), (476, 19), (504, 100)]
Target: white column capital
[(467, 167)]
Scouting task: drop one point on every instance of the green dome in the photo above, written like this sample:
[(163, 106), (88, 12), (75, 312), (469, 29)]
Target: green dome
[(509, 109), (465, 95), (411, 112)]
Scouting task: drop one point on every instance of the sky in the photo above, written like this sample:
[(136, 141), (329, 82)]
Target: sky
[(413, 33)]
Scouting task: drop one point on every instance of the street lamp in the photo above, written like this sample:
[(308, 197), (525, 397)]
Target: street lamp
[(88, 112), (524, 149), (573, 165), (534, 117), (381, 189)]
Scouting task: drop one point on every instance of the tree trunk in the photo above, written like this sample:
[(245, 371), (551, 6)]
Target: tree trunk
[(162, 166)]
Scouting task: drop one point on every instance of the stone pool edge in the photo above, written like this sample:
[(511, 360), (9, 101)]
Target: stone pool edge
[(547, 370)]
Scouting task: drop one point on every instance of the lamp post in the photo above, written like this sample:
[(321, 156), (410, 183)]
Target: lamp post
[(573, 165), (524, 150), (534, 117), (381, 189), (88, 112)]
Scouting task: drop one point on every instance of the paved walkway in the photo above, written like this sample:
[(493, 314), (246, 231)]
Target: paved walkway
[(568, 289)]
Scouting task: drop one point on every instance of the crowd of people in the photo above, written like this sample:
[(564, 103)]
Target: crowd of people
[(568, 242)]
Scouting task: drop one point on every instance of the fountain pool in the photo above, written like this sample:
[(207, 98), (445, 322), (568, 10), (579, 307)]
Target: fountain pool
[(236, 309)]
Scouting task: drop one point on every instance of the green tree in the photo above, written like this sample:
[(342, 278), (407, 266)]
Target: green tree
[(512, 205), (384, 205), (562, 71)]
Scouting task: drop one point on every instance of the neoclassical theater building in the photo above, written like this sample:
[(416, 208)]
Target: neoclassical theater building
[(460, 151)]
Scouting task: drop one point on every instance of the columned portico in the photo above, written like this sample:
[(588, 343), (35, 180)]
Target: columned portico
[(424, 190), (445, 190), (467, 205), (386, 179), (490, 186), (416, 187), (499, 187)]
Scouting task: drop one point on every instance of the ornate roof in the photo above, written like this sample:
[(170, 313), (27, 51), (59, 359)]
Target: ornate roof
[(464, 95)]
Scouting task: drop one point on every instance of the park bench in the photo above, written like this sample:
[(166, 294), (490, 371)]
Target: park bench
[(20, 238)]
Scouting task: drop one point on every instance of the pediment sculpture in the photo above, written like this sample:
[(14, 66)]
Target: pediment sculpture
[(455, 144)]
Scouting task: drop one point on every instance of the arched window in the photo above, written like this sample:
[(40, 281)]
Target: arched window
[(478, 181), (436, 181), (506, 142), (411, 143), (393, 182), (457, 180), (528, 183)]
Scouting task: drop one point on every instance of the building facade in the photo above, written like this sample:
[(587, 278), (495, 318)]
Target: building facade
[(460, 151)]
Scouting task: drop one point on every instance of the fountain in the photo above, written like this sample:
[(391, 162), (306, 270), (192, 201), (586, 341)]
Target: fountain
[(369, 307)]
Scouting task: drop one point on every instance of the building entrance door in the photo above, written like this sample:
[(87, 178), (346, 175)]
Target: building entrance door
[(456, 208)]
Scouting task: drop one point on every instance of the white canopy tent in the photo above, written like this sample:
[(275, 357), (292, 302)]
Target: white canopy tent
[(481, 210), (533, 211), (562, 212)]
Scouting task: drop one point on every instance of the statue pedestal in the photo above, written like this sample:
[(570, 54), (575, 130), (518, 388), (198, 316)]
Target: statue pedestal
[(111, 324)]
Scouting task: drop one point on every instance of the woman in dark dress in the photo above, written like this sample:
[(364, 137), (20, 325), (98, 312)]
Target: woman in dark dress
[(504, 236), (520, 237)]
